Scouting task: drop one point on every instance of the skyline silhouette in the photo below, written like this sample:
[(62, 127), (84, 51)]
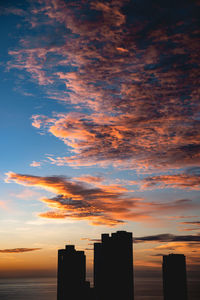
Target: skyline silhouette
[(113, 266), (71, 277), (174, 277), (113, 275)]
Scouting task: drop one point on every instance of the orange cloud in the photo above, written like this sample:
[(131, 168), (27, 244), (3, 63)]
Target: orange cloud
[(146, 263), (192, 249), (99, 204), (76, 200)]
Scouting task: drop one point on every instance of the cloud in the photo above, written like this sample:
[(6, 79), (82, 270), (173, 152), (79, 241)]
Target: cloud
[(197, 223), (19, 250), (121, 140), (190, 229), (189, 248), (31, 60), (180, 181), (8, 7), (97, 203), (90, 179), (192, 224), (183, 217), (77, 200), (132, 65), (3, 205), (35, 164), (167, 237), (25, 194), (158, 254)]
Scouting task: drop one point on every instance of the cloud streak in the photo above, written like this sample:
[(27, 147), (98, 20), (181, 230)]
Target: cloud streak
[(197, 223), (19, 250), (180, 181), (167, 237)]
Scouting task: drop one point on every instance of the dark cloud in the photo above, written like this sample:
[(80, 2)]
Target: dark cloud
[(167, 237), (18, 250), (197, 223), (158, 254), (193, 171)]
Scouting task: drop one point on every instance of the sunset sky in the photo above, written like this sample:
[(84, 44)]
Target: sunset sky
[(100, 129)]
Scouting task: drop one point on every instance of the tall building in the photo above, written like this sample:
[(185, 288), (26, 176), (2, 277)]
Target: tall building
[(113, 267), (174, 277), (72, 284)]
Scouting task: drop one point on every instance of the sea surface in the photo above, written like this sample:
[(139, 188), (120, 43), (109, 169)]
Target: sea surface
[(45, 289)]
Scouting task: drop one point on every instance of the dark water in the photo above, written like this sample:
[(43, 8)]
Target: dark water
[(45, 289), (151, 289), (28, 289)]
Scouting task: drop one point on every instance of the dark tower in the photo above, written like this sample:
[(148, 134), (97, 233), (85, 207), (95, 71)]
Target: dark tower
[(113, 267), (71, 283), (174, 277)]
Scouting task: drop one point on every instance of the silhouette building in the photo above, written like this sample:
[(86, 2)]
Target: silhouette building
[(72, 284), (113, 267), (174, 277)]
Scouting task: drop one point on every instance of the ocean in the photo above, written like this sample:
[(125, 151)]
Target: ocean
[(45, 289), (28, 289)]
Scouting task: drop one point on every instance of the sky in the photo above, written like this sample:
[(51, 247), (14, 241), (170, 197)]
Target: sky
[(100, 130)]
